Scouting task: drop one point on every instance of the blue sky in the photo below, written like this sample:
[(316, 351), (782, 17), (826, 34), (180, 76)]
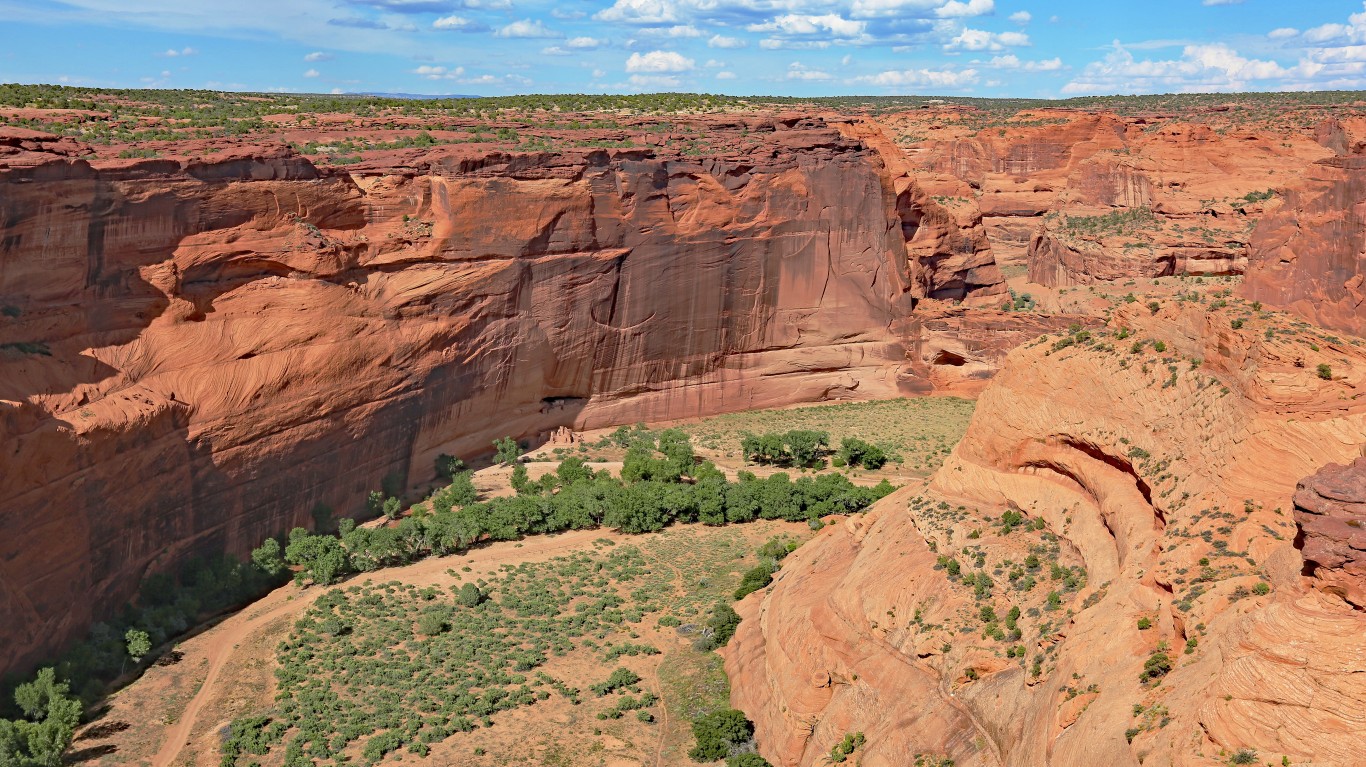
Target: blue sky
[(1028, 48)]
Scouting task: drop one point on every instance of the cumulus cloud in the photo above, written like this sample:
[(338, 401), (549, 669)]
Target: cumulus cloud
[(171, 53), (659, 61), (922, 78), (1021, 17), (312, 73), (318, 56), (527, 29), (439, 73), (584, 43), (640, 12), (1011, 61), (721, 41), (799, 24), (797, 71), (725, 75), (1282, 33), (458, 23), (677, 30), (1211, 67), (981, 40), (954, 8)]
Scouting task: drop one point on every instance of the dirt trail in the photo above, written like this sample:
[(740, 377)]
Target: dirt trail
[(221, 641)]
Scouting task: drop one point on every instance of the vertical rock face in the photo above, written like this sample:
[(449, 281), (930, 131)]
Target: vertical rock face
[(1044, 181), (1169, 485), (1330, 507), (1309, 255), (194, 354)]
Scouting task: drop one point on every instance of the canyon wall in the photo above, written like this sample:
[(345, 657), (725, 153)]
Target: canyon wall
[(1309, 255), (1146, 607), (196, 351), (1052, 187)]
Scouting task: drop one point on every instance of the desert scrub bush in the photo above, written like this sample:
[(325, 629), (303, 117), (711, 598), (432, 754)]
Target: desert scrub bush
[(1156, 666), (622, 677), (841, 751), (718, 734)]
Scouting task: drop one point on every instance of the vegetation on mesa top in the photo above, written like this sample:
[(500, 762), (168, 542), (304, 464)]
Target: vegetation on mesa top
[(101, 115)]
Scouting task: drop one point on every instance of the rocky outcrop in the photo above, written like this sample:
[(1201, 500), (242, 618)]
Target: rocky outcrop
[(948, 252), (1309, 255), (1199, 187), (1158, 485), (197, 351), (1330, 508)]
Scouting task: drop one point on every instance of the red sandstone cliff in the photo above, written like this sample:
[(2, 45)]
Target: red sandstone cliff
[(1309, 255), (195, 352)]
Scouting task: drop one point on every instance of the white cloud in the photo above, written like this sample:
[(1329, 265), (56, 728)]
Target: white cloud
[(171, 53), (1212, 67), (725, 75), (714, 64), (1021, 17), (678, 30), (797, 71), (799, 24), (981, 40), (527, 28), (456, 22), (584, 43), (318, 56), (954, 8), (659, 61), (312, 73), (919, 78), (1221, 2), (439, 73), (721, 41), (1011, 61), (1282, 33), (641, 12)]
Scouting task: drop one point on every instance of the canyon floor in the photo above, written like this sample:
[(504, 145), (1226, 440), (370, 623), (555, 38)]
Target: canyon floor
[(177, 711)]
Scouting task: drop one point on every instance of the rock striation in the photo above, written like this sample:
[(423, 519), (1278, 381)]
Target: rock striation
[(197, 351)]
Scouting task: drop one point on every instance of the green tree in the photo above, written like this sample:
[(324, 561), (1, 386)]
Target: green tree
[(806, 447), (748, 760), (391, 507), (51, 716), (320, 557), (719, 732), (507, 450), (447, 466), (470, 595), (267, 558), (138, 644), (723, 622)]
